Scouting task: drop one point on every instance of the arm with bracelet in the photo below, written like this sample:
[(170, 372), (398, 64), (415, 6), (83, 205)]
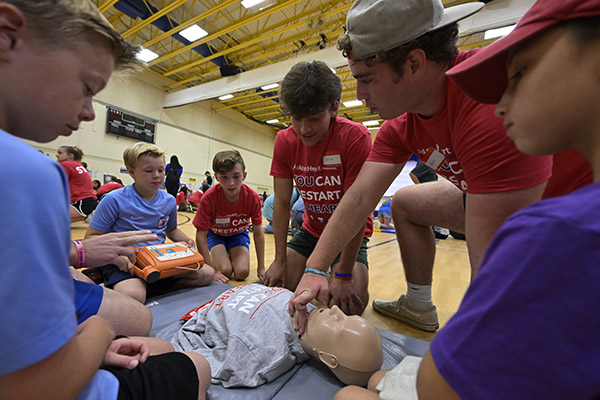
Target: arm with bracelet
[(342, 288)]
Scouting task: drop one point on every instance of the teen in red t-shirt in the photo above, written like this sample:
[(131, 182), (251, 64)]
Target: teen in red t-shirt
[(322, 154), (224, 214)]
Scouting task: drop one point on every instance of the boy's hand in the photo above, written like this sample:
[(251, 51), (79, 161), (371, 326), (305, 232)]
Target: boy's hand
[(343, 294), (275, 275), (311, 286), (260, 271), (126, 353), (126, 266), (109, 248), (219, 277)]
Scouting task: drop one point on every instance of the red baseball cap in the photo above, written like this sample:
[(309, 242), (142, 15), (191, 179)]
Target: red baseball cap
[(483, 76)]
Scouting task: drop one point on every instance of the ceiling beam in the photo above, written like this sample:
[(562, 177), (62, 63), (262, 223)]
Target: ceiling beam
[(493, 15)]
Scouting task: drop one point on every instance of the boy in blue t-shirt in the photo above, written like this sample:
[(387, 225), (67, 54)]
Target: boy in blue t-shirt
[(142, 206), (54, 57)]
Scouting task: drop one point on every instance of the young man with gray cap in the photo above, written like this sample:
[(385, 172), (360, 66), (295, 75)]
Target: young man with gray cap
[(399, 52)]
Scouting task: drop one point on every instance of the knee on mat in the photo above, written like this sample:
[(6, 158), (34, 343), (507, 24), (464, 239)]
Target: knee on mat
[(241, 274)]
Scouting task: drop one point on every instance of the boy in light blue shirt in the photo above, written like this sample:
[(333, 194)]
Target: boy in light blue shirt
[(142, 206), (54, 57)]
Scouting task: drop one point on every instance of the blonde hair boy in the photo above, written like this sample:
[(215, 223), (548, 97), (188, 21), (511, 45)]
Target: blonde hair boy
[(54, 57), (133, 153)]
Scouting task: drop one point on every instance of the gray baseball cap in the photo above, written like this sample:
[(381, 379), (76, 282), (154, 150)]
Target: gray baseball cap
[(374, 26)]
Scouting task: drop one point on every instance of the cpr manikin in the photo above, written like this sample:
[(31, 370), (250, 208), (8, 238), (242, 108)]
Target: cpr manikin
[(349, 345), (248, 338)]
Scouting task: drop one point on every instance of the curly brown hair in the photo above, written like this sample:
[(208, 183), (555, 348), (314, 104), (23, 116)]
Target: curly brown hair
[(439, 46)]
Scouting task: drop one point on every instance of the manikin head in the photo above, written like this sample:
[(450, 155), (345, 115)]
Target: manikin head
[(349, 346)]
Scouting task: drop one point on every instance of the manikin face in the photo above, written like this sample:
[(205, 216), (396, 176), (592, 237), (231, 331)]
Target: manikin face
[(314, 129), (63, 155), (381, 89), (231, 181), (551, 102), (55, 88), (149, 175), (350, 346)]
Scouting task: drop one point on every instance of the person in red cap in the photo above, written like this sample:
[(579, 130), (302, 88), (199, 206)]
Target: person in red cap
[(524, 332), (399, 52)]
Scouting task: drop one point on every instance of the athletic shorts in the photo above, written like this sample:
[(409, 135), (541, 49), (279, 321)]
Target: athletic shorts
[(241, 239), (113, 275), (85, 206), (165, 376), (88, 297), (304, 243)]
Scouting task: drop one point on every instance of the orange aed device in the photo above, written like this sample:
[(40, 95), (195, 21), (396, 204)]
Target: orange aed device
[(159, 261)]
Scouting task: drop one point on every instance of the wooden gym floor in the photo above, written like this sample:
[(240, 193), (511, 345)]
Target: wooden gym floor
[(451, 274)]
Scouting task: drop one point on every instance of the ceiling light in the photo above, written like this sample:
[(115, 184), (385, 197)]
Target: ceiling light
[(498, 32), (373, 129), (272, 121), (147, 55), (226, 97), (193, 33), (371, 123), (271, 86), (352, 103), (251, 3)]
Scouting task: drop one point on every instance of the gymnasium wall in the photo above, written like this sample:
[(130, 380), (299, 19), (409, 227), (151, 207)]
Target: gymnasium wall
[(194, 133)]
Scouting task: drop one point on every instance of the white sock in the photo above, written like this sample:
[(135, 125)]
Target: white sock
[(419, 296)]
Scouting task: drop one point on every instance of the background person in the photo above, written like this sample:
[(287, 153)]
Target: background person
[(114, 184), (83, 197), (209, 178), (182, 199), (195, 199), (172, 179)]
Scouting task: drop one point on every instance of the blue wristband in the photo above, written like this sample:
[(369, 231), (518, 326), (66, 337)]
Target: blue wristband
[(343, 274), (315, 271)]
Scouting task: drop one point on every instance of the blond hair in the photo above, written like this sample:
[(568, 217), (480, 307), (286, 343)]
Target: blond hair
[(225, 161), (64, 23), (132, 154)]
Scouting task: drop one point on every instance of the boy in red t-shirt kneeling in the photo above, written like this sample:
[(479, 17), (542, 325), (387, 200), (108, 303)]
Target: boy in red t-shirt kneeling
[(224, 214)]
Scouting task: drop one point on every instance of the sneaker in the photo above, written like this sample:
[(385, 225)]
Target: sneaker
[(440, 233), (400, 310)]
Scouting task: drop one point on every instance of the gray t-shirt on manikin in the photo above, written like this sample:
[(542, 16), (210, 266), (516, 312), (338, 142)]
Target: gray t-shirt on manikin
[(245, 334)]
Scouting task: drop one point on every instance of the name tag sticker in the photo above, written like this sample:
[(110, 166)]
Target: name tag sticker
[(433, 158), (332, 159)]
